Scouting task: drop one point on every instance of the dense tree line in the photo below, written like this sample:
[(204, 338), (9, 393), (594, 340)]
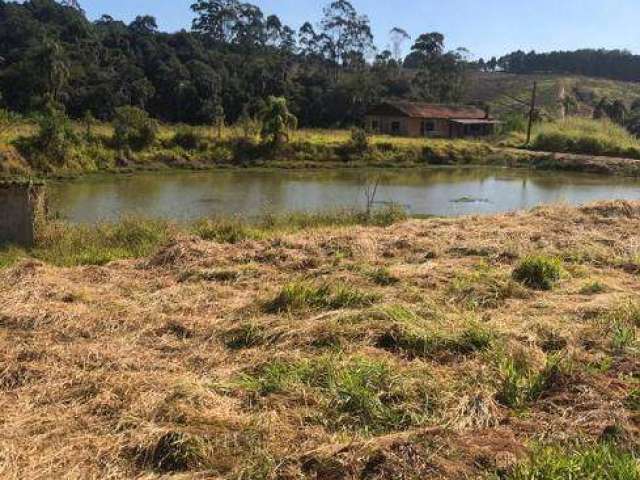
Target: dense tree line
[(611, 64), (225, 67)]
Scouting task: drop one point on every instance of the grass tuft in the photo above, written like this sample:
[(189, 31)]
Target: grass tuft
[(247, 335), (484, 288), (383, 277), (176, 452), (593, 288), (539, 272), (520, 383), (353, 394), (305, 296), (602, 461)]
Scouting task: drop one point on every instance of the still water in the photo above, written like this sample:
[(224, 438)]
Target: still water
[(430, 191)]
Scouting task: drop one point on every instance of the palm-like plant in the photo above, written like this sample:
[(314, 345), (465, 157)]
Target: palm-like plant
[(277, 121)]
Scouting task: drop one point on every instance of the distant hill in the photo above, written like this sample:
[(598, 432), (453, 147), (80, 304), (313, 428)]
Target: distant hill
[(500, 89)]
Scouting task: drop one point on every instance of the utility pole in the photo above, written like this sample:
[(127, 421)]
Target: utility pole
[(532, 111)]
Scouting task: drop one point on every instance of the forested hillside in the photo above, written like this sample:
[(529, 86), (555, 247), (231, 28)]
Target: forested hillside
[(233, 58)]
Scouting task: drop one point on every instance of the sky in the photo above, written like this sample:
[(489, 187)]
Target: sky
[(485, 27)]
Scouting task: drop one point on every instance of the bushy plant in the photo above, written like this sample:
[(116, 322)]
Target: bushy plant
[(55, 136), (277, 121), (359, 142), (513, 122), (188, 138), (538, 272), (133, 128)]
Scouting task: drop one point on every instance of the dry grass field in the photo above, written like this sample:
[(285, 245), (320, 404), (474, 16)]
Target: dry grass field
[(480, 347)]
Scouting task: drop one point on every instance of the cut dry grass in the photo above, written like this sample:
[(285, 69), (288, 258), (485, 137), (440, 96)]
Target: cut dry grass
[(344, 351)]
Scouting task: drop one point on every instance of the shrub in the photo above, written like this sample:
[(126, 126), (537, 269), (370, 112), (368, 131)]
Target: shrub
[(538, 272), (513, 122), (55, 137), (188, 138), (134, 128), (359, 142)]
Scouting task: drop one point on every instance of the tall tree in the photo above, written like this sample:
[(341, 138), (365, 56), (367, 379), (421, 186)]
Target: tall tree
[(348, 34), (277, 121), (398, 37), (216, 19)]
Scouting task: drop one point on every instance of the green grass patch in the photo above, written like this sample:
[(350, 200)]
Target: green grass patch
[(420, 342), (539, 272), (383, 277), (632, 402), (223, 230), (177, 452), (593, 288), (520, 383), (246, 335), (294, 221), (234, 230), (69, 245), (598, 462), (484, 288), (9, 255), (306, 296), (349, 393), (621, 324), (584, 136)]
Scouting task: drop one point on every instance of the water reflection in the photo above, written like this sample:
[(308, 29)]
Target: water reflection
[(432, 191)]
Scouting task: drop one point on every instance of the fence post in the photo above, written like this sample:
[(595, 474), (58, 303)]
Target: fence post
[(22, 204)]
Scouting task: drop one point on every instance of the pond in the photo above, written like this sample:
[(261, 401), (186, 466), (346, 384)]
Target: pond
[(445, 191)]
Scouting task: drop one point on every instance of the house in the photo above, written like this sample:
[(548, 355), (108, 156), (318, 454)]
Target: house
[(412, 119)]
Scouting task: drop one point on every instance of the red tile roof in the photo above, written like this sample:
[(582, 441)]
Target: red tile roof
[(430, 110)]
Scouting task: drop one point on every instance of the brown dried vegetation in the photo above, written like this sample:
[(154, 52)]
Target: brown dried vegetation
[(287, 358)]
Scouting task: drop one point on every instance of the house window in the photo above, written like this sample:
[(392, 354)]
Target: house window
[(395, 127), (427, 127)]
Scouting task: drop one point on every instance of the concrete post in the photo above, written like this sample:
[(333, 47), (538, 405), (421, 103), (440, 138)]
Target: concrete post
[(21, 204)]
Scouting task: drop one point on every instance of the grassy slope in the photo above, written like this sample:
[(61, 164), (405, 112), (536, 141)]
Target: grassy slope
[(405, 351), (307, 149), (495, 88)]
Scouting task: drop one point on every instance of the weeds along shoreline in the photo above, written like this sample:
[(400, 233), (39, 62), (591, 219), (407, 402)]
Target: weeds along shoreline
[(66, 244), (56, 147)]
